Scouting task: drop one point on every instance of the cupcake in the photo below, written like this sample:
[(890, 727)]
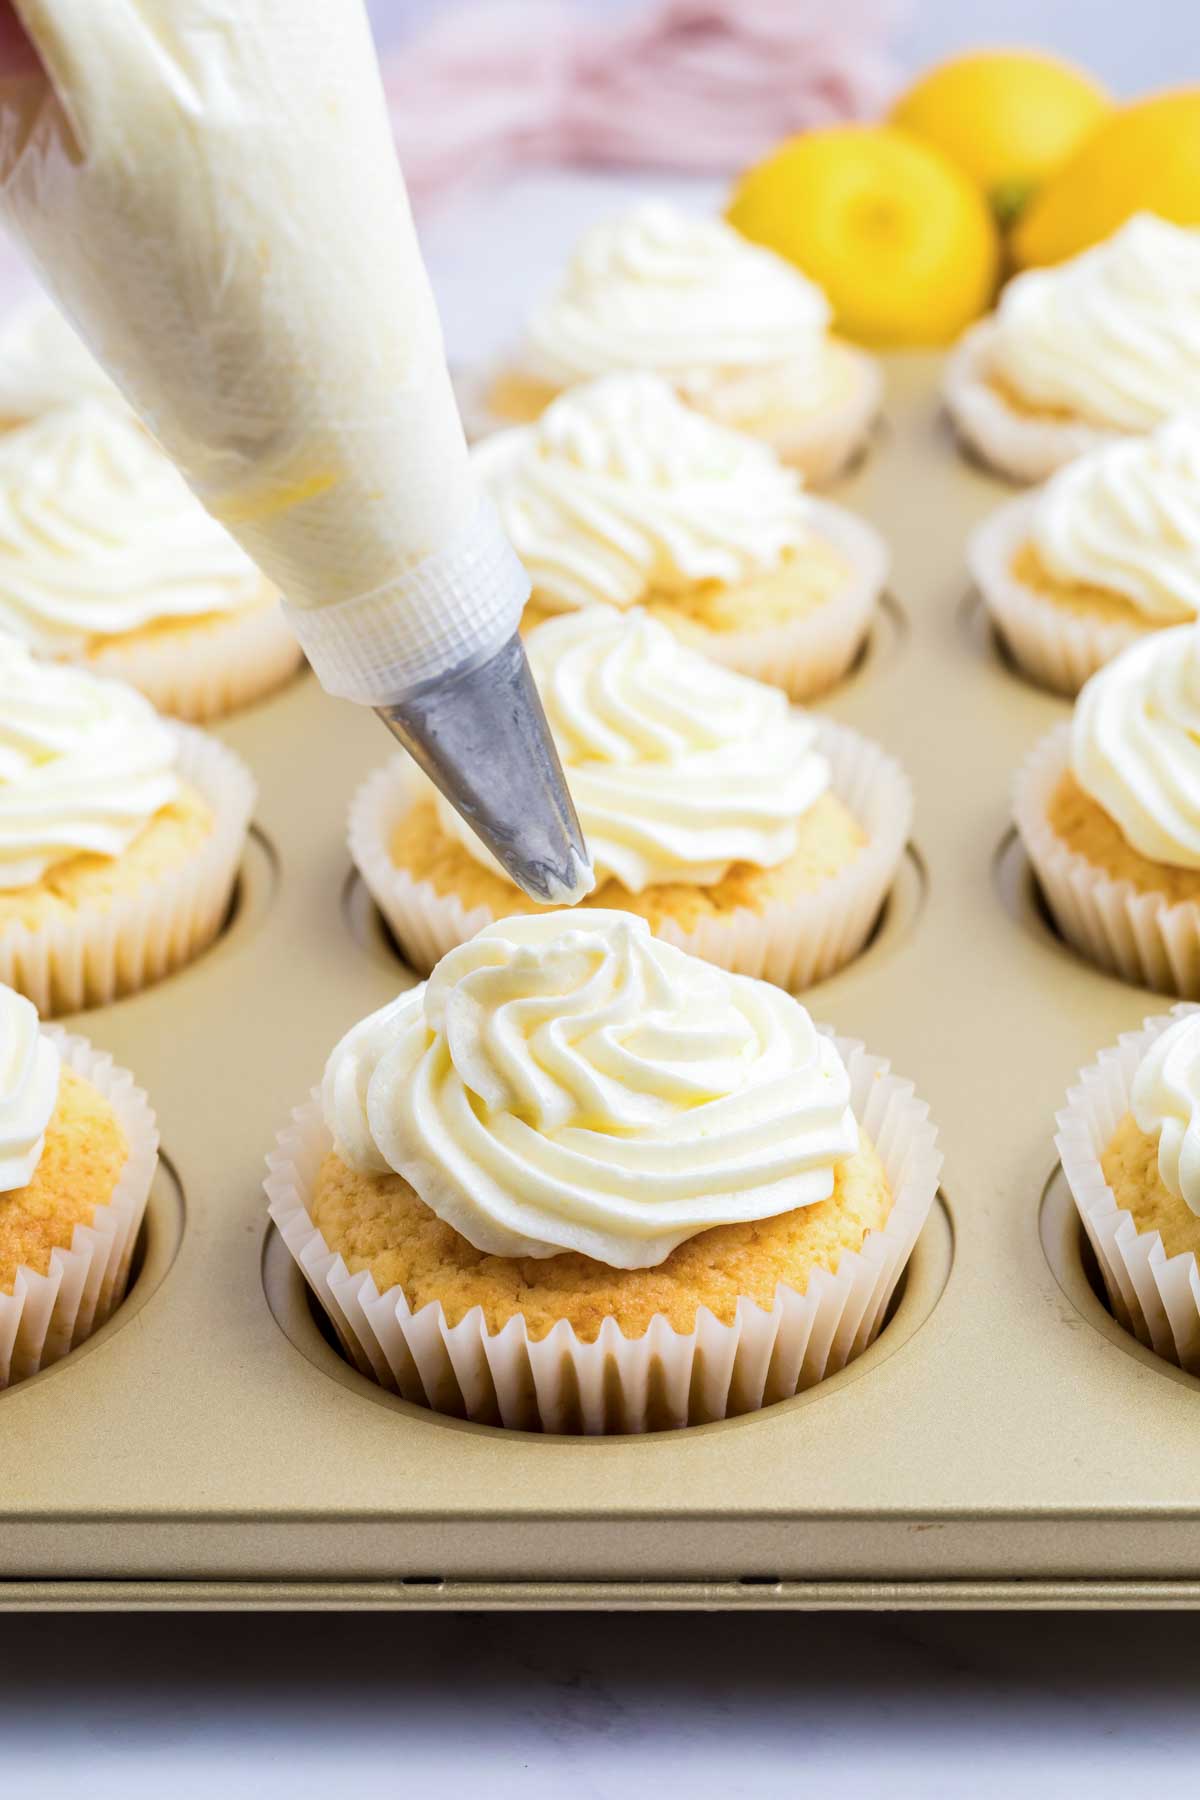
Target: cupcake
[(108, 559), (1108, 807), (44, 365), (620, 493), (120, 835), (738, 828), (1107, 550), (78, 1151), (1129, 1140), (1102, 346), (736, 330), (582, 1181)]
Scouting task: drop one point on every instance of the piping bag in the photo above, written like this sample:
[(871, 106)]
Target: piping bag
[(210, 191)]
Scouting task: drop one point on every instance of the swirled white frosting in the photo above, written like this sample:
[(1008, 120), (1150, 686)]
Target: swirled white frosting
[(620, 489), (84, 764), (99, 534), (29, 1070), (1166, 1105), (1113, 336), (569, 1082), (1135, 744), (1126, 518), (43, 364), (687, 297), (678, 768)]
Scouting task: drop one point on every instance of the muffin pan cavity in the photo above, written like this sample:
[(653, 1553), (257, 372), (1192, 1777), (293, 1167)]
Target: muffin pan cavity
[(309, 1329), (155, 1249)]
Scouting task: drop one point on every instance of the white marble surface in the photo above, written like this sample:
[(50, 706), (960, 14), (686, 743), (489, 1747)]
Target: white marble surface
[(597, 1706), (609, 1707)]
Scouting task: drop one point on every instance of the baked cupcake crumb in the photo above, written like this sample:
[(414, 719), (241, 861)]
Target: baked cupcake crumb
[(84, 1155), (1130, 1166)]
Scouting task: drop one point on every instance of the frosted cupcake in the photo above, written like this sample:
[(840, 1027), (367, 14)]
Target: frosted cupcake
[(1106, 551), (581, 1181), (44, 365), (620, 493), (745, 831), (108, 559), (1105, 345), (78, 1151), (120, 835), (1108, 807), (736, 330), (1129, 1139)]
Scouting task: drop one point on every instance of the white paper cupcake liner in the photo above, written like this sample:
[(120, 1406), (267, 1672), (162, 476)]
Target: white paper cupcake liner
[(47, 1315), (206, 673), (807, 655), (1155, 1296), (663, 1379), (1053, 646), (820, 446), (792, 943), (1133, 934), (1018, 444), (105, 950)]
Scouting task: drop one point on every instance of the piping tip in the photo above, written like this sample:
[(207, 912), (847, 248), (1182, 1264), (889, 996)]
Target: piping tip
[(481, 736)]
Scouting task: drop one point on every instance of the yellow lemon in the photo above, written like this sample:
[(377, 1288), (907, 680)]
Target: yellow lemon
[(900, 240), (1144, 158), (1008, 118)]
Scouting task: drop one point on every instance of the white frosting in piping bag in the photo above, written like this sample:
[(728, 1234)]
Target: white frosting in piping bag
[(1126, 518), (99, 534), (569, 1082), (29, 1076), (620, 488), (1135, 744), (85, 763), (678, 767), (215, 201)]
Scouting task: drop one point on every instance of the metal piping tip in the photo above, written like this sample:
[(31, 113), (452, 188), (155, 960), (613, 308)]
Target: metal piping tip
[(481, 737)]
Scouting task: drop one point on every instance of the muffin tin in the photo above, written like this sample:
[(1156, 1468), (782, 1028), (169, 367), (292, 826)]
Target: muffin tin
[(1002, 1443)]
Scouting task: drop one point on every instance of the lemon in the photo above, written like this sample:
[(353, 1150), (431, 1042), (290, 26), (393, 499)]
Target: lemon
[(1144, 158), (899, 238), (1008, 118)]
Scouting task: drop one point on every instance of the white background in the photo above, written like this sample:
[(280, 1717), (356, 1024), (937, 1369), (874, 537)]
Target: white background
[(593, 1707)]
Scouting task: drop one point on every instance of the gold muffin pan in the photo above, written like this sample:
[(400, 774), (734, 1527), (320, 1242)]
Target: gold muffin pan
[(1002, 1443)]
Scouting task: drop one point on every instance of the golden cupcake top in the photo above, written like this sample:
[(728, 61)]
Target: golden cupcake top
[(85, 763), (620, 491), (1135, 744), (100, 535), (568, 1082), (1126, 518), (1111, 336), (29, 1075), (678, 768)]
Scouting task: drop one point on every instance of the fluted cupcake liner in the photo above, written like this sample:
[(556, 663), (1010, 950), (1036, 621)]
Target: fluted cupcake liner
[(1137, 935), (205, 673), (45, 1316), (1153, 1295), (819, 445), (808, 654), (792, 943), (113, 947), (1026, 446), (1052, 645), (660, 1380)]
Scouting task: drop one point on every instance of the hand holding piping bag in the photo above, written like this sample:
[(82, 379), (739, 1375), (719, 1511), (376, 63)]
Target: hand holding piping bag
[(209, 189)]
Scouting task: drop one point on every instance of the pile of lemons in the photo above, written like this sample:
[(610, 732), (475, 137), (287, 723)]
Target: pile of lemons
[(996, 160)]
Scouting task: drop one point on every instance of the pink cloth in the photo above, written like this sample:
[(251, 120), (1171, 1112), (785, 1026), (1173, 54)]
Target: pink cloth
[(696, 85)]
